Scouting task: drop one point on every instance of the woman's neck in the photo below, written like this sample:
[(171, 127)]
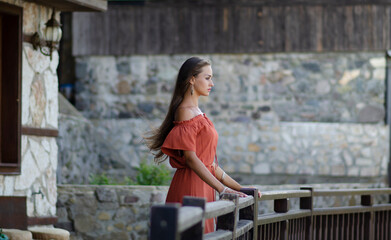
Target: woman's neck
[(191, 100)]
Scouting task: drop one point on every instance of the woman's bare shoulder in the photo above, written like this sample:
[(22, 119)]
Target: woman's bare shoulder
[(185, 113)]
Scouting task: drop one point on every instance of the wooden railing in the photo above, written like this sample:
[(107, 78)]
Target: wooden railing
[(238, 218)]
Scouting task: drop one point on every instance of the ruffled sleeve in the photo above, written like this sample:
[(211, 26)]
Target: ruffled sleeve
[(182, 137)]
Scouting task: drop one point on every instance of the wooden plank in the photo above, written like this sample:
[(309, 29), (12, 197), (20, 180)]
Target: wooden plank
[(218, 208), (74, 5), (188, 217), (278, 217), (348, 210), (276, 42), (33, 221), (168, 28), (378, 14), (219, 235), (121, 24), (230, 28), (40, 132), (387, 27), (292, 30), (243, 227), (1, 79), (245, 202), (281, 194), (271, 2), (351, 192)]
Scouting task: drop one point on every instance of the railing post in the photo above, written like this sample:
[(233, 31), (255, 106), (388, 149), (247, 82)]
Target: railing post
[(308, 203), (281, 206), (367, 200), (251, 212), (164, 222), (196, 232), (229, 220)]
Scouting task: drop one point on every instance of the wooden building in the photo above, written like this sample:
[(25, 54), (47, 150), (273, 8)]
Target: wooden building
[(223, 26)]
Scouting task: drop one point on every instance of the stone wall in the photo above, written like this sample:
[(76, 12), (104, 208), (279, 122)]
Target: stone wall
[(281, 153), (281, 118), (323, 87), (40, 110), (123, 212)]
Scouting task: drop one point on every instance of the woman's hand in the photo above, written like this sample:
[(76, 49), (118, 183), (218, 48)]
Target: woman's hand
[(229, 190), (259, 193)]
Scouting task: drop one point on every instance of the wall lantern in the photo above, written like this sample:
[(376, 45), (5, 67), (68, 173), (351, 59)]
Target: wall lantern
[(51, 37)]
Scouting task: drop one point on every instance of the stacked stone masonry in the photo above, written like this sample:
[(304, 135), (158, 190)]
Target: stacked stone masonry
[(39, 110), (322, 87), (303, 149), (307, 114)]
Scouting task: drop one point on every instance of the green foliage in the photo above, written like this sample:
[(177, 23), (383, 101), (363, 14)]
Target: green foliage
[(148, 174), (152, 174), (2, 235), (101, 179)]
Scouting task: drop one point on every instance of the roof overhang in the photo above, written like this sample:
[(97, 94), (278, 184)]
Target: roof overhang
[(74, 5)]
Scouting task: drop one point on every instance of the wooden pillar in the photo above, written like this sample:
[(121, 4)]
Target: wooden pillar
[(229, 220), (367, 201), (281, 206), (251, 212), (164, 222), (308, 203), (196, 232), (388, 113)]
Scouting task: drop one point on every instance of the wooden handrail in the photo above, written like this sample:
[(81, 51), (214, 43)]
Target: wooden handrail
[(239, 218), (218, 208), (282, 194), (351, 192), (188, 217)]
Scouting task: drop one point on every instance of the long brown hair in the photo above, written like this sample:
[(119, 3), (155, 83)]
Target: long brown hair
[(155, 138)]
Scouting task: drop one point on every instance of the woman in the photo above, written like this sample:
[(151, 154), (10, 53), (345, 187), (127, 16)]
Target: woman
[(189, 138)]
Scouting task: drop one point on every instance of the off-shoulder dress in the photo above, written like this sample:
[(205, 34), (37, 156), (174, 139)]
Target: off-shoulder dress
[(199, 135)]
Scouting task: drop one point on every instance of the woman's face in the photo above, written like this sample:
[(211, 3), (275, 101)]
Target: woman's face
[(203, 82)]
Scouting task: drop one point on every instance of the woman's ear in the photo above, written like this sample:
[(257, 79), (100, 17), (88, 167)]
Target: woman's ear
[(192, 80)]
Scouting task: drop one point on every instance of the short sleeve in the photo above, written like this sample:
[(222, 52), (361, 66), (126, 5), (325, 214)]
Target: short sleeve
[(181, 137)]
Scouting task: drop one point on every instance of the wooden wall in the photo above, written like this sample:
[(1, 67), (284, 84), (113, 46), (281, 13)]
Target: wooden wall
[(234, 27)]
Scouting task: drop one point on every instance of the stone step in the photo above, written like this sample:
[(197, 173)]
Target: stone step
[(16, 234), (47, 233)]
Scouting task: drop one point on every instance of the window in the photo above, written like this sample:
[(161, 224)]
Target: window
[(10, 85)]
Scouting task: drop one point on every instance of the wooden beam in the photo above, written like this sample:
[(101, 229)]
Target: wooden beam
[(32, 221), (13, 213), (252, 3), (74, 5), (41, 132)]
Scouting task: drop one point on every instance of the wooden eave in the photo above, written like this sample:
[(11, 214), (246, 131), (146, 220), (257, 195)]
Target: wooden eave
[(74, 5)]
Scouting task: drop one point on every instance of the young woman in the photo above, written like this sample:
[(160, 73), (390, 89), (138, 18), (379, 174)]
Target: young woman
[(189, 138)]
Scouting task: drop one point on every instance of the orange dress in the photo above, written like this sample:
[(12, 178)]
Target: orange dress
[(199, 135)]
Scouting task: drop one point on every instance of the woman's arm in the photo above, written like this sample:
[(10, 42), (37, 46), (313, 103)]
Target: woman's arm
[(199, 168), (228, 181)]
